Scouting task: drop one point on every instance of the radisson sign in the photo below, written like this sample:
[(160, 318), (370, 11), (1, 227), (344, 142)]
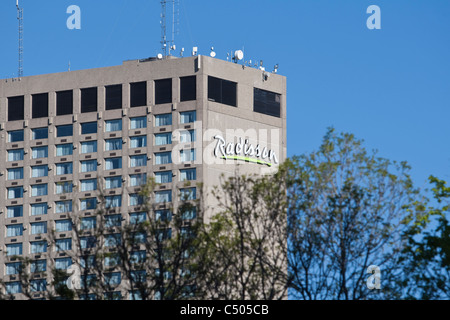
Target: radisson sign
[(244, 151)]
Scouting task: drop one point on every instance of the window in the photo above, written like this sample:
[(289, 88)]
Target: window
[(112, 240), (138, 161), (64, 102), (116, 295), (15, 136), (189, 214), (222, 91), (39, 133), (64, 168), (137, 180), (39, 104), (89, 166), (188, 116), (63, 263), (187, 136), (113, 182), (88, 147), (63, 225), (15, 192), (138, 217), (112, 260), (163, 234), (138, 123), (163, 196), (89, 128), (39, 152), (16, 108), (64, 187), (112, 279), (137, 257), (88, 185), (64, 150), (188, 174), (138, 142), (13, 287), (113, 97), (38, 227), (39, 209), (63, 206), (113, 144), (63, 244), (14, 249), (113, 163), (14, 230), (266, 102), (163, 177), (39, 171), (38, 266), (38, 190), (113, 125), (114, 220), (136, 199), (163, 120), (15, 173), (138, 94), (14, 212), (163, 139), (89, 100), (38, 285), (163, 91), (88, 204), (163, 158), (188, 194), (187, 155), (13, 268), (88, 223), (188, 88), (38, 246), (113, 201), (163, 215), (15, 155), (64, 131)]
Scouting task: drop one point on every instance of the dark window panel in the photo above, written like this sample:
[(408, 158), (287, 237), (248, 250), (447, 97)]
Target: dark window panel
[(163, 91), (138, 94), (188, 88), (89, 127), (113, 97), (39, 105), (89, 100), (64, 102), (64, 131), (267, 102), (16, 108), (222, 91)]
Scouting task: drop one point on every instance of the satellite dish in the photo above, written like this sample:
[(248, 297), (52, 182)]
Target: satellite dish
[(239, 55), (159, 56), (212, 54)]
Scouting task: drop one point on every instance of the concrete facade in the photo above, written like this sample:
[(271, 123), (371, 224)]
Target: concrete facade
[(212, 119)]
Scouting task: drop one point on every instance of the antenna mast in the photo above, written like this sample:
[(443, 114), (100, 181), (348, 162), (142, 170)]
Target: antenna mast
[(169, 45), (20, 18)]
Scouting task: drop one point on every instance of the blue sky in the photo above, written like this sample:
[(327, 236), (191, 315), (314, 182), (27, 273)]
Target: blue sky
[(390, 87)]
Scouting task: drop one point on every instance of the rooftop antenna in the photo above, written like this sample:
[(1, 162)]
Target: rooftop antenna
[(168, 45), (20, 18)]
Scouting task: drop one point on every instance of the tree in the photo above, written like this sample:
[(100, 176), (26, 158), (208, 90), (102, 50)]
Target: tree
[(244, 251), (346, 212), (426, 259)]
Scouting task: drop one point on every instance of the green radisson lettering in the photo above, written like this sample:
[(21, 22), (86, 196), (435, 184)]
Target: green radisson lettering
[(244, 151)]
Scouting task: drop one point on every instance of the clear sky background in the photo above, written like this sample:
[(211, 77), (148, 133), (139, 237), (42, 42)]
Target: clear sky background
[(390, 87)]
